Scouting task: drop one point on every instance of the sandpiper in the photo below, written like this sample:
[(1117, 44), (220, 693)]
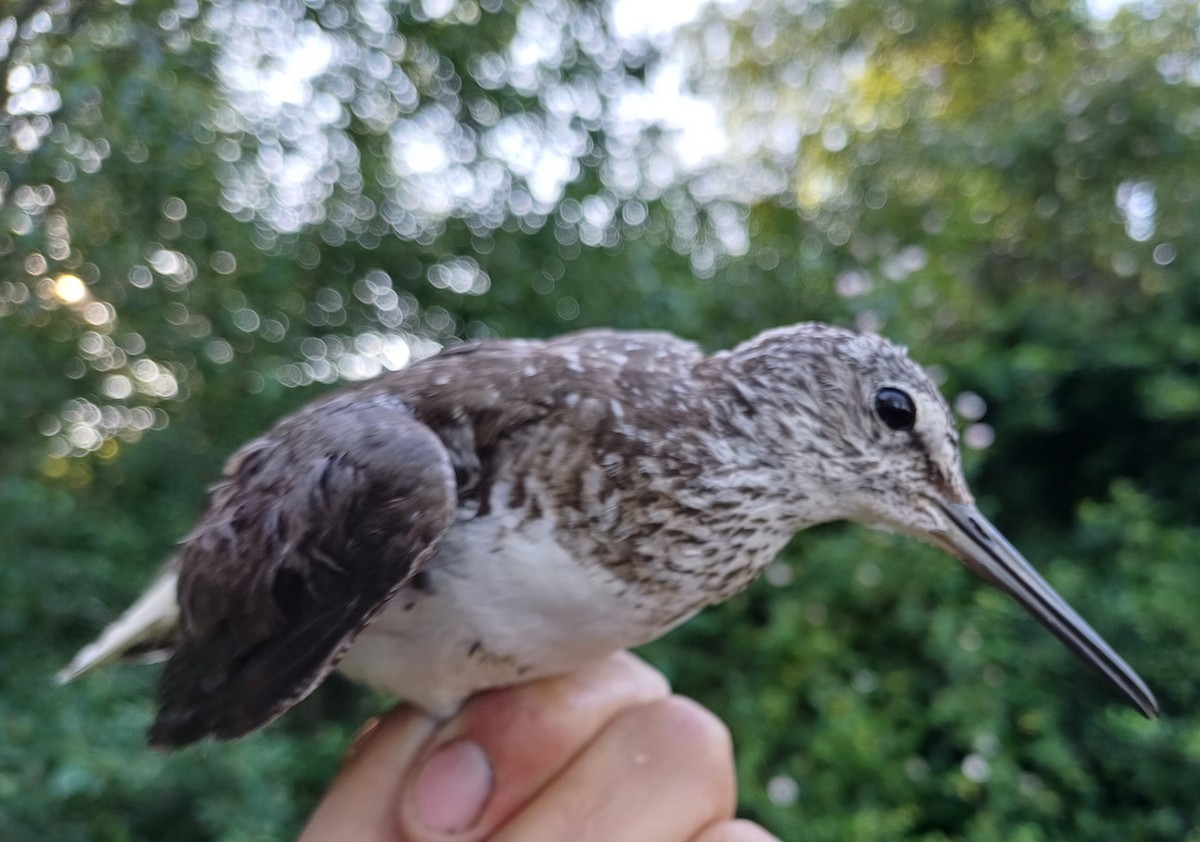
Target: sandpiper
[(512, 509)]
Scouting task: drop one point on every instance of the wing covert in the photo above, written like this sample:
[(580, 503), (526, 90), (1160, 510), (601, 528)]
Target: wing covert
[(312, 529)]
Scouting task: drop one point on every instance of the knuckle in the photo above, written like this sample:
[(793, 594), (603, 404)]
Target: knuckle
[(707, 735), (700, 750)]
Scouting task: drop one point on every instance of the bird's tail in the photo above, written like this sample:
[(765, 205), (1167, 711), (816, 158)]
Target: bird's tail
[(146, 631)]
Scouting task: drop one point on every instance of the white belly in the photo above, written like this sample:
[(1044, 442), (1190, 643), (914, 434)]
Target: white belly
[(521, 610)]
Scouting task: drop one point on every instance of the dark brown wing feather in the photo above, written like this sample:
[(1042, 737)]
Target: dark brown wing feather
[(313, 528)]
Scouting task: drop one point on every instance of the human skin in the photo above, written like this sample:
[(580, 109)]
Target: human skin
[(605, 753)]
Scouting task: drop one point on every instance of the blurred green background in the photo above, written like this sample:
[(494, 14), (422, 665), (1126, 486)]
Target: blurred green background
[(211, 212)]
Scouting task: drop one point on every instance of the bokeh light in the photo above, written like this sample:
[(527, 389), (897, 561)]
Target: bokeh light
[(70, 289)]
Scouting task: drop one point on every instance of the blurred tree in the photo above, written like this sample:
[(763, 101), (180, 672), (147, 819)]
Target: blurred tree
[(210, 211)]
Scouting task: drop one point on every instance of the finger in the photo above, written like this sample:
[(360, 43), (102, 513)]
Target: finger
[(660, 772), (360, 804), (527, 734), (738, 830)]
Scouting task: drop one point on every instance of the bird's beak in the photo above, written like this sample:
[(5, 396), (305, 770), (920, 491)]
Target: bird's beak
[(983, 549)]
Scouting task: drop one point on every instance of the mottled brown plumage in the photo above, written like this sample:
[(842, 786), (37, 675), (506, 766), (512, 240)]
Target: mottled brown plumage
[(311, 530), (512, 509)]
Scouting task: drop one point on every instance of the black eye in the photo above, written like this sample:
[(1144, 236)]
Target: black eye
[(896, 409)]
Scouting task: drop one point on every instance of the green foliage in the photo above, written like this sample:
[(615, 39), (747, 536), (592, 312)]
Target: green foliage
[(1009, 188)]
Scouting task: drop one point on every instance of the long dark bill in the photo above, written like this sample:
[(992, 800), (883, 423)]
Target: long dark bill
[(982, 548)]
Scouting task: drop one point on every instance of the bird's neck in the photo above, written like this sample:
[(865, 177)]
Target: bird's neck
[(773, 445), (703, 508)]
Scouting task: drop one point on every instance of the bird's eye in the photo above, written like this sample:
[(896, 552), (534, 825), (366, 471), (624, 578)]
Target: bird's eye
[(896, 409)]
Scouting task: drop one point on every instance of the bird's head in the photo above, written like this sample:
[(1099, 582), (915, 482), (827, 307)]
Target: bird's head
[(871, 439)]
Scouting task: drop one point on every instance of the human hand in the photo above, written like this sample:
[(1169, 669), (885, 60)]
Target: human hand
[(604, 754)]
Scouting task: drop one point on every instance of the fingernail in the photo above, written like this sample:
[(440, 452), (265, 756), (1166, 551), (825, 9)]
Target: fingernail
[(452, 787)]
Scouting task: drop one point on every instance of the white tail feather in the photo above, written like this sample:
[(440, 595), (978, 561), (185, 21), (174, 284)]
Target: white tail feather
[(151, 618)]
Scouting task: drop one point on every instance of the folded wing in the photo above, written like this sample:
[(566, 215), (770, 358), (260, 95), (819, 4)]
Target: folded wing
[(312, 529)]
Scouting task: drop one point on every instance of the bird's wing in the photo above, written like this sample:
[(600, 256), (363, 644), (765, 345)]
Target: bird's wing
[(312, 529)]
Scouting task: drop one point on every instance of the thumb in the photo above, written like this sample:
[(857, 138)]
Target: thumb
[(360, 804), (506, 745)]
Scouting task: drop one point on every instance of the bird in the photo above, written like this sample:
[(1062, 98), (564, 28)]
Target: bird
[(507, 510)]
